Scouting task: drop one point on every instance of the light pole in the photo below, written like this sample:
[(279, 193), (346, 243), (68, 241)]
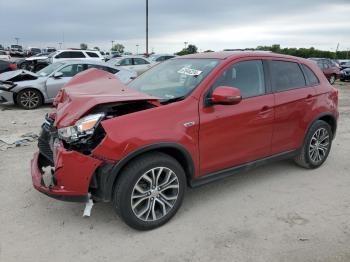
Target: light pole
[(146, 27), (112, 45), (17, 39), (137, 49), (185, 44), (60, 44)]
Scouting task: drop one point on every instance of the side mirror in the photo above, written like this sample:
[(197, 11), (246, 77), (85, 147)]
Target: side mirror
[(57, 75), (225, 95)]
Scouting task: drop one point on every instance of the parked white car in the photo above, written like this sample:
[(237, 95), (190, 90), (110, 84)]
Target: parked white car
[(63, 55), (30, 90), (4, 56), (135, 63)]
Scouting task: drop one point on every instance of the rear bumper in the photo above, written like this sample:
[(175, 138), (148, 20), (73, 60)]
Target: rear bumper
[(70, 176)]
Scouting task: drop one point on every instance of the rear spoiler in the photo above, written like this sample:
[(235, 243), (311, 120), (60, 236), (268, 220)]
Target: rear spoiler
[(7, 85)]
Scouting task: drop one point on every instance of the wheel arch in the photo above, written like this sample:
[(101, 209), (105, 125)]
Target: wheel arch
[(28, 88), (329, 118), (109, 179)]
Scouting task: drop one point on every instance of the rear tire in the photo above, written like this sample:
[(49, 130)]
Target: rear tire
[(317, 144), (332, 79), (150, 191)]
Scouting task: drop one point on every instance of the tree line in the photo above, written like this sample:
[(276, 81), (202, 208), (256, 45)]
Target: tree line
[(305, 52), (300, 52)]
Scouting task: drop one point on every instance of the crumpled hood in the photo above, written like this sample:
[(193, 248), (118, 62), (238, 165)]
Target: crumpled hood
[(88, 89), (11, 74)]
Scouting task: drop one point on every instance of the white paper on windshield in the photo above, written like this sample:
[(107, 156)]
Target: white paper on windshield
[(189, 71)]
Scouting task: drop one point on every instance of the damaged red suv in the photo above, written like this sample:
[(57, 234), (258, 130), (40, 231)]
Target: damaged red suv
[(186, 122)]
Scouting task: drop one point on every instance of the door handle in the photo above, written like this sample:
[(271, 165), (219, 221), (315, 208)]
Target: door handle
[(265, 110)]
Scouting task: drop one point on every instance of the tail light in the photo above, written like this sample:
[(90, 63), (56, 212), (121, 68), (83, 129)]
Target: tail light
[(13, 66)]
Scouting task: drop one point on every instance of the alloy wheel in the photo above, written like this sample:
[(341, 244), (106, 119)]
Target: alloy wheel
[(29, 99), (332, 80), (319, 145), (155, 194)]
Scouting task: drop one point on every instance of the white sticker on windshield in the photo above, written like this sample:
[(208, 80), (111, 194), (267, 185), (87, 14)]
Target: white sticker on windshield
[(189, 71)]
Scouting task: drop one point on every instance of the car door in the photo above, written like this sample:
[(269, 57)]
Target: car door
[(140, 65), (293, 103), (231, 135), (54, 84)]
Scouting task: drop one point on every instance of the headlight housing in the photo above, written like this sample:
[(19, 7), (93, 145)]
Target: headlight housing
[(84, 127)]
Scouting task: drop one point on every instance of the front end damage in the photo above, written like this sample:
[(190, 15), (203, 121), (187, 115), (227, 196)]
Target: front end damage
[(65, 166), (68, 169)]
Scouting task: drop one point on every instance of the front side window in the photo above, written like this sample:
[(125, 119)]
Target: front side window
[(49, 69), (247, 76), (63, 55), (125, 62), (72, 70), (285, 75), (174, 79)]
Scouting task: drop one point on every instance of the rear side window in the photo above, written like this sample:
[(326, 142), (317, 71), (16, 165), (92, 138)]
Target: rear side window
[(91, 54), (140, 61), (285, 75), (247, 76), (77, 55), (310, 76)]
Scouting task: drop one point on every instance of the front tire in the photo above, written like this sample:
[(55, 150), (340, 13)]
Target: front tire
[(150, 191), (29, 99), (317, 144)]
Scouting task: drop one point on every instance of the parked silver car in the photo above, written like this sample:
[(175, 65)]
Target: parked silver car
[(135, 63), (30, 90)]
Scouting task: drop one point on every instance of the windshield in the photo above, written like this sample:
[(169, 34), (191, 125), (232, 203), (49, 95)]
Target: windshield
[(174, 79), (49, 69), (52, 54)]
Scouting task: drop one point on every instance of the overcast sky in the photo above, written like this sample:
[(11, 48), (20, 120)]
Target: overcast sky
[(216, 24)]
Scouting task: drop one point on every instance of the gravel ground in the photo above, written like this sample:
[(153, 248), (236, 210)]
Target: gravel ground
[(278, 212)]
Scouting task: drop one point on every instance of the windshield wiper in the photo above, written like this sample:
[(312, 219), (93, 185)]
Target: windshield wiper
[(171, 100)]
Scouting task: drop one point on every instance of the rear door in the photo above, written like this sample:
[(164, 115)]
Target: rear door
[(293, 102), (231, 135)]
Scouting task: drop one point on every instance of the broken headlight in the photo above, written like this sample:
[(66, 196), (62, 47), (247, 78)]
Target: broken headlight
[(84, 127)]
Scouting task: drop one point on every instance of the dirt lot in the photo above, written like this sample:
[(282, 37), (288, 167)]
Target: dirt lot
[(279, 212)]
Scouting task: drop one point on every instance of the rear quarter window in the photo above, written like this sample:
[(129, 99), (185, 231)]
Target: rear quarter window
[(285, 76), (92, 54), (310, 76)]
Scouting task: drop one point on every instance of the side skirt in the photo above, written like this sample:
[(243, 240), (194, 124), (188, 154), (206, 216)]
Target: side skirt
[(195, 182)]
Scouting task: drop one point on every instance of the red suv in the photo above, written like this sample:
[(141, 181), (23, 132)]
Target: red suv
[(186, 122)]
